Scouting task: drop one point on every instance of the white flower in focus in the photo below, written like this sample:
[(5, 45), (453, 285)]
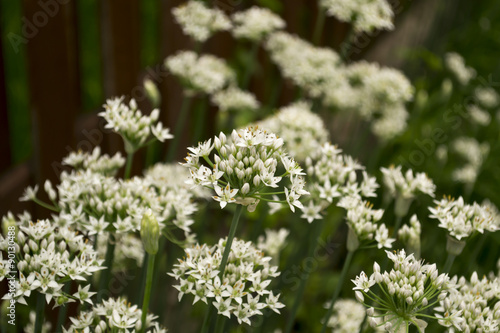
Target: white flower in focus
[(200, 22)]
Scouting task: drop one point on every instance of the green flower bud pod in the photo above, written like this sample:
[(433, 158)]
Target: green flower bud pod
[(150, 232)]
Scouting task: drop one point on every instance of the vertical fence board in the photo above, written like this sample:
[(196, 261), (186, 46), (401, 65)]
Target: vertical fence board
[(53, 82), (5, 153)]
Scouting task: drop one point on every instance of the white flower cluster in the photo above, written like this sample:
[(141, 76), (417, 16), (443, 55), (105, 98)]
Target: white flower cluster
[(474, 153), (256, 23), (347, 316), (478, 115), (200, 22), (332, 175), (404, 188), (242, 291), (134, 127), (273, 242), (307, 66), (456, 64), (364, 15), (408, 291), (478, 303), (47, 257), (487, 97), (410, 236), (302, 130), (128, 247), (362, 220), (113, 315), (244, 166), (234, 99), (206, 73), (95, 162), (462, 220), (377, 94)]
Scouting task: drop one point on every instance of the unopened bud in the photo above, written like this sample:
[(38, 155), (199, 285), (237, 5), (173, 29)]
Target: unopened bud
[(150, 232), (152, 93)]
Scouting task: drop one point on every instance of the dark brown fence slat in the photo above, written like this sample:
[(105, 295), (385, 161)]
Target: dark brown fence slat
[(121, 57), (53, 81), (5, 152)]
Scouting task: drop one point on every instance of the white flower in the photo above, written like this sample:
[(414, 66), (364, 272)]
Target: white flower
[(234, 99), (29, 193), (225, 195), (206, 73), (255, 23), (456, 64), (365, 16), (200, 22)]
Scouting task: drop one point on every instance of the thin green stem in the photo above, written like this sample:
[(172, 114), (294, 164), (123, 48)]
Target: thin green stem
[(449, 262), (397, 225), (223, 263), (219, 324), (298, 296), (206, 320), (179, 127), (200, 123), (147, 292), (229, 241), (128, 166), (46, 205), (108, 263), (40, 309), (318, 28), (63, 310), (338, 288), (250, 66)]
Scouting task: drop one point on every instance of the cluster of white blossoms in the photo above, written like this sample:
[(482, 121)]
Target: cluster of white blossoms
[(302, 130), (205, 73), (463, 220), (347, 316), (243, 289), (404, 188), (128, 248), (362, 221), (410, 236), (255, 23), (478, 303), (331, 175), (456, 65), (200, 22), (234, 99), (376, 94), (244, 167), (95, 161), (113, 315), (46, 258), (487, 97), (307, 66), (364, 15), (134, 127), (407, 291), (478, 115), (474, 153), (273, 242)]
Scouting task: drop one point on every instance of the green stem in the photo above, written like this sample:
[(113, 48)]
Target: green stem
[(449, 262), (219, 324), (229, 241), (340, 283), (63, 310), (250, 66), (318, 28), (206, 321), (128, 166), (298, 296), (346, 45), (144, 276), (46, 205), (200, 124), (179, 127), (397, 225), (40, 308), (147, 292), (108, 263)]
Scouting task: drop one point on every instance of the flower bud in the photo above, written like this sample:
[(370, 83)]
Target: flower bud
[(150, 232), (152, 93)]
